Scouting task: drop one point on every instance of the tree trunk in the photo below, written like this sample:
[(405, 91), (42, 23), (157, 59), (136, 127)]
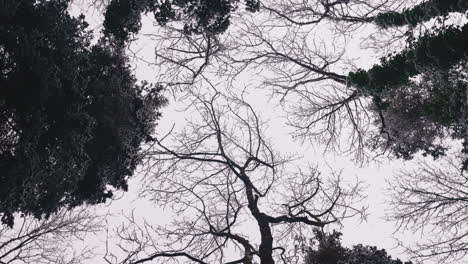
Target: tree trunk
[(266, 247)]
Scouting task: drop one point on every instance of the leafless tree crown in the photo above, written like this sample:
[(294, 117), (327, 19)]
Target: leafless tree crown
[(234, 198)]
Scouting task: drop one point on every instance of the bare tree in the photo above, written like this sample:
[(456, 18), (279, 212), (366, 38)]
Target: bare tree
[(48, 241), (235, 199), (291, 64), (188, 55), (298, 50), (345, 17), (302, 51), (346, 11), (433, 200), (302, 66)]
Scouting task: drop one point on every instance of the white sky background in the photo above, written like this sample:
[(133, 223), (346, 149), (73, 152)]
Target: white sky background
[(374, 231)]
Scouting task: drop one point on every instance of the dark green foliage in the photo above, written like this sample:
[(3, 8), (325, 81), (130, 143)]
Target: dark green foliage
[(211, 16), (72, 117), (416, 114), (420, 13), (327, 249), (421, 93), (123, 17), (465, 148), (438, 50)]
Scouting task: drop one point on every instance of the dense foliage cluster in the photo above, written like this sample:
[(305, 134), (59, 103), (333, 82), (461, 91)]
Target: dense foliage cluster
[(72, 117), (123, 17), (421, 93), (420, 13), (440, 49), (327, 249)]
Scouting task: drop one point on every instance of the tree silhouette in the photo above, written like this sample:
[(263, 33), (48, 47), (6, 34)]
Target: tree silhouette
[(123, 17), (72, 116), (414, 113), (327, 249), (235, 199)]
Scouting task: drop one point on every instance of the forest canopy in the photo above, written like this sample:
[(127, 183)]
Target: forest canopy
[(410, 102), (418, 94), (271, 99)]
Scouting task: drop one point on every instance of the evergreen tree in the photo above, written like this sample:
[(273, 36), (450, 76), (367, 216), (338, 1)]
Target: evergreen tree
[(327, 249), (421, 93), (123, 17), (420, 13), (72, 117)]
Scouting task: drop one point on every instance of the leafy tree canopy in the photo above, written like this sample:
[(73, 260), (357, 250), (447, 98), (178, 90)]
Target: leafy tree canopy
[(123, 17), (421, 93), (327, 249), (72, 117), (420, 13)]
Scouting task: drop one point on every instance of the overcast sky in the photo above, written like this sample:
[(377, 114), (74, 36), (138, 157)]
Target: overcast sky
[(375, 230)]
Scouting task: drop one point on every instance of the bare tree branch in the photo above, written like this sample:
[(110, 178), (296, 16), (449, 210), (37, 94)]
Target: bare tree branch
[(49, 240), (433, 200), (220, 175)]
